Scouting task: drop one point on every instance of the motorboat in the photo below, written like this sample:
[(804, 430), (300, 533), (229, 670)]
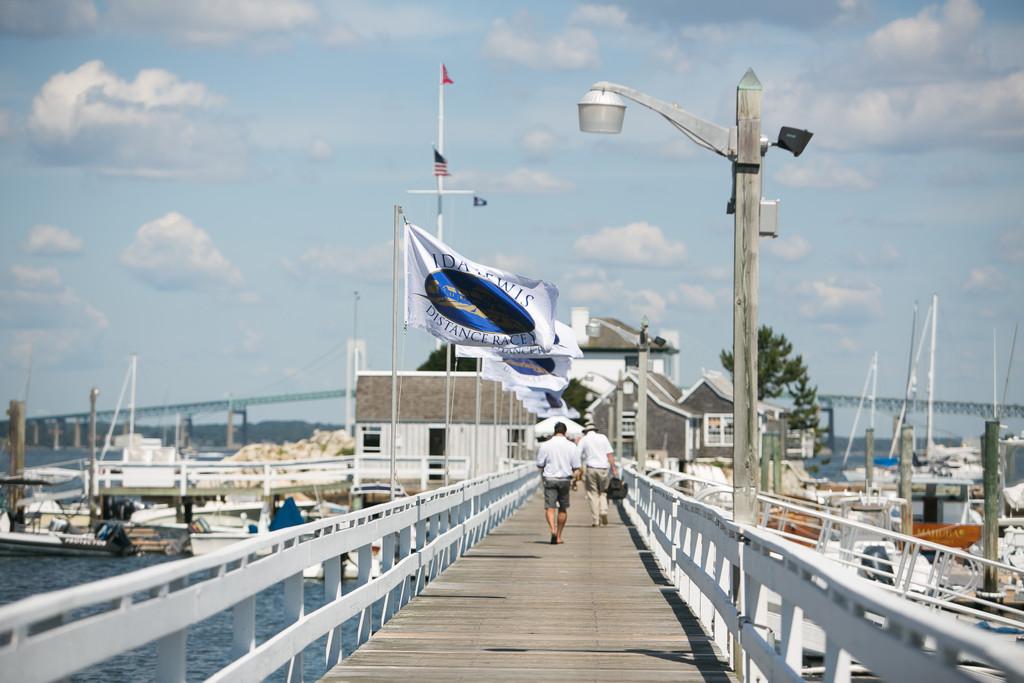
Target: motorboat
[(63, 539)]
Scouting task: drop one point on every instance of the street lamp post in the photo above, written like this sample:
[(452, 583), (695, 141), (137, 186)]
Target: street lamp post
[(642, 342), (640, 440), (601, 110)]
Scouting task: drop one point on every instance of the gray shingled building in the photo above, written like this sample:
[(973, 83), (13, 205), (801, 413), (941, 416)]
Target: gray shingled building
[(421, 419)]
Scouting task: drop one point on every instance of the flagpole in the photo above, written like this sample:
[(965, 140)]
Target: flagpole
[(476, 428), (440, 149), (394, 355), (494, 435)]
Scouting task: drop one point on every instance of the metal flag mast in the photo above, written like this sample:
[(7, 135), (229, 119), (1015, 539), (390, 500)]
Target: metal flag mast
[(440, 191)]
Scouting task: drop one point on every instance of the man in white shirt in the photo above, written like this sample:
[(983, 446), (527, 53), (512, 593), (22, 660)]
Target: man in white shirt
[(559, 461), (597, 456)]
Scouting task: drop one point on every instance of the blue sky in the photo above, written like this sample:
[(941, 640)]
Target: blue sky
[(207, 183)]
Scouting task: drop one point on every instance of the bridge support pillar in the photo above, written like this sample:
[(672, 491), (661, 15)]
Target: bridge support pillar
[(56, 435), (229, 439), (245, 427), (831, 429), (35, 432), (185, 436), (76, 434)]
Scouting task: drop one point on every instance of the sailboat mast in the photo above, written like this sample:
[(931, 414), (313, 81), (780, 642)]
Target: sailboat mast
[(874, 387), (131, 413), (929, 444), (995, 405), (440, 150)]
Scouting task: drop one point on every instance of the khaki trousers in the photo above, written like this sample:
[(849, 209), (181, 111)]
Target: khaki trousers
[(595, 481)]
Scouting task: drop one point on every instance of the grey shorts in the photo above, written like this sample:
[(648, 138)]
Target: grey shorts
[(556, 493)]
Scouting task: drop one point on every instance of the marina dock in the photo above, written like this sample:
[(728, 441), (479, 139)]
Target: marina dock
[(515, 608)]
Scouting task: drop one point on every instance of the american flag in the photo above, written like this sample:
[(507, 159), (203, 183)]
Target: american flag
[(440, 164)]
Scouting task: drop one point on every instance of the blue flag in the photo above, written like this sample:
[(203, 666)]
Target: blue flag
[(479, 201)]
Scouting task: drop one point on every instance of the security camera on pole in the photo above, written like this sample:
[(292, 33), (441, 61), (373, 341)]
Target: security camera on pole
[(601, 111)]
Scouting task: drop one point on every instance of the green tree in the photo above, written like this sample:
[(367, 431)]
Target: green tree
[(780, 372), (777, 368), (576, 396), (435, 361), (804, 414)]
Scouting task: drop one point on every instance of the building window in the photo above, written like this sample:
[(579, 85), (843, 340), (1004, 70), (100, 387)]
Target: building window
[(628, 424), (514, 436), (371, 439), (718, 429)]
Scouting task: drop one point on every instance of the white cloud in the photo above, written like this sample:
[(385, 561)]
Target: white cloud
[(356, 23), (912, 117), (45, 319), (518, 42), (637, 244), (822, 173), (50, 239), (928, 36), (984, 279), (887, 256), (214, 23), (370, 263), (610, 16), (47, 18), (830, 300), (1011, 245), (849, 344), (29, 277), (153, 126), (172, 253), (697, 296), (320, 150), (793, 248), (517, 181), (920, 83), (647, 302), (510, 263), (539, 143), (595, 287)]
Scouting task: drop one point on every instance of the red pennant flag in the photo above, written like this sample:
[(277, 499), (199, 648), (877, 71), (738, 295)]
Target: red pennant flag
[(444, 76)]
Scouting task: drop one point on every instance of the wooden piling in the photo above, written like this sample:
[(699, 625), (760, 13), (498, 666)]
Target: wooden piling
[(906, 474), (16, 438), (869, 459), (990, 480)]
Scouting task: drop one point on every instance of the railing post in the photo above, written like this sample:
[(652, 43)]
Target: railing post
[(333, 572), (403, 592), (365, 562), (293, 610), (387, 560), (171, 657), (837, 662), (792, 646), (243, 617)]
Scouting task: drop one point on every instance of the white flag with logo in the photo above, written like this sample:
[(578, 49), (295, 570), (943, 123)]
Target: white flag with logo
[(551, 374), (565, 346), (466, 303)]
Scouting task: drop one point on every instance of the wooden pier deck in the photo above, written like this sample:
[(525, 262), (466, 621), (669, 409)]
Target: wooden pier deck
[(516, 608)]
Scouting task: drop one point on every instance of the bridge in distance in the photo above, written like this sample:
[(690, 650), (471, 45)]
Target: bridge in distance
[(240, 404)]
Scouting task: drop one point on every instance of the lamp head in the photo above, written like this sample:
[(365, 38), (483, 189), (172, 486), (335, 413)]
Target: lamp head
[(601, 112), (593, 328), (793, 139)]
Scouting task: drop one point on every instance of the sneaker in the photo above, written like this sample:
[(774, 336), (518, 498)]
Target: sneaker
[(604, 520)]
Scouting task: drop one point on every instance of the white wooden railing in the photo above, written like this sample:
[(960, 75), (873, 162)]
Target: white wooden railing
[(45, 638), (729, 573), (264, 476)]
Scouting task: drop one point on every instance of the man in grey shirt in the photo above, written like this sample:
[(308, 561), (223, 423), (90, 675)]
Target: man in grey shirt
[(559, 461)]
